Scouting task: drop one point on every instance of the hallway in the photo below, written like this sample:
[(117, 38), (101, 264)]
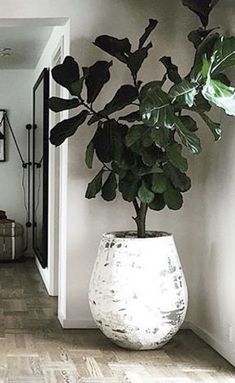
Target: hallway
[(34, 348)]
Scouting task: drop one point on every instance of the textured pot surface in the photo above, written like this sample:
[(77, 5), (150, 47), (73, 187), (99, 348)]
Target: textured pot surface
[(138, 295)]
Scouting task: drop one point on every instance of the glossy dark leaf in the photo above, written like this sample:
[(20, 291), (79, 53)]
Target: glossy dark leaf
[(173, 198), (137, 58), (67, 73), (223, 78), (214, 127), (129, 186), (149, 156), (75, 88), (145, 88), (94, 187), (201, 104), (131, 117), (90, 154), (202, 8), (174, 153), (124, 96), (119, 48), (59, 104), (197, 36), (148, 30), (142, 170), (161, 137), (156, 109), (135, 133), (118, 170), (103, 142), (184, 93), (189, 139), (224, 55), (172, 70), (204, 50), (221, 95), (145, 195), (109, 188), (159, 183), (96, 77), (189, 122), (178, 179), (158, 203), (67, 128)]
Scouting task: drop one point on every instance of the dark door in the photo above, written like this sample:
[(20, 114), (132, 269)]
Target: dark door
[(40, 166)]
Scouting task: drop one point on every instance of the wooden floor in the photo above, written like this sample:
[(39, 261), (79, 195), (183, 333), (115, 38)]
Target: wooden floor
[(34, 348)]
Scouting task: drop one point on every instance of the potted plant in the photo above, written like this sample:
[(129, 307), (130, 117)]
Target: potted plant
[(138, 294)]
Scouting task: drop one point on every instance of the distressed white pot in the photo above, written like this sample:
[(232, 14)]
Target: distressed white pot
[(138, 294)]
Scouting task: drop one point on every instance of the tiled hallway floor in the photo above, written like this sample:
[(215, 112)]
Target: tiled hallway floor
[(35, 349)]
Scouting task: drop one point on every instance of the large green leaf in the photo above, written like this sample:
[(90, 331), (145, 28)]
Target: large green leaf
[(57, 104), (188, 138), (129, 186), (197, 36), (221, 95), (119, 48), (67, 73), (145, 195), (189, 122), (172, 70), (96, 77), (148, 30), (135, 133), (201, 104), (224, 55), (149, 156), (125, 95), (173, 198), (156, 110), (109, 188), (109, 141), (184, 93), (67, 128), (202, 8), (94, 187), (214, 127), (161, 137), (145, 88), (137, 58), (179, 180), (158, 203), (159, 183), (174, 153), (90, 154), (204, 51)]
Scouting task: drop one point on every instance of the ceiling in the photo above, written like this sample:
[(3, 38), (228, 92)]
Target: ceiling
[(27, 44)]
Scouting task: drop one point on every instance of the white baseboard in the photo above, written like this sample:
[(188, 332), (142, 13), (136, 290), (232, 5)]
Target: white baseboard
[(226, 350), (76, 323)]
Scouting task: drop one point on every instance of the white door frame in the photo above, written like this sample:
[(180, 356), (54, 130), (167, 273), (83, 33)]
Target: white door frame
[(58, 187)]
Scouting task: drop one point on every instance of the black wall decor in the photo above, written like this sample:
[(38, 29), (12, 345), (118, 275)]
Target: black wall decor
[(2, 136), (40, 166)]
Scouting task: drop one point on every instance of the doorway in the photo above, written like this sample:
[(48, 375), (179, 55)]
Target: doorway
[(37, 45)]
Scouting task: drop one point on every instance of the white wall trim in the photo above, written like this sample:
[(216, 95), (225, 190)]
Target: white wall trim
[(226, 350), (76, 323)]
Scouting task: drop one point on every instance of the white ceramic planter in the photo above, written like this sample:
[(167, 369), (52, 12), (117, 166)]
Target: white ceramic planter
[(138, 295)]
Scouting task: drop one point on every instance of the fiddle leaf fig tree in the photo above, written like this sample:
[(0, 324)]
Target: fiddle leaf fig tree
[(141, 149)]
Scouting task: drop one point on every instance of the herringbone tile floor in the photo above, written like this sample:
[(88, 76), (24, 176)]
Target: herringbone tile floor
[(34, 348)]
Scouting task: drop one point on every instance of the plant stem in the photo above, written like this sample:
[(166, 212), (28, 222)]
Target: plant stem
[(140, 219)]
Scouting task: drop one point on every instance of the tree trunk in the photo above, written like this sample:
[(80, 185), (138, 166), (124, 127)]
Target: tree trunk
[(140, 218)]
